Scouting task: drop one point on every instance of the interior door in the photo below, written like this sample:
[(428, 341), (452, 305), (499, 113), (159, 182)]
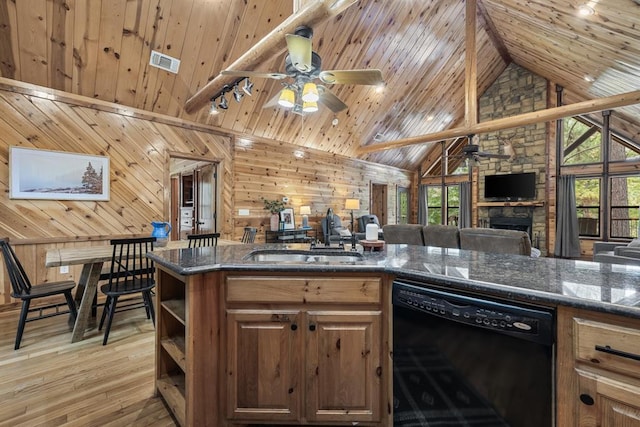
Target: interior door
[(206, 203), (379, 202)]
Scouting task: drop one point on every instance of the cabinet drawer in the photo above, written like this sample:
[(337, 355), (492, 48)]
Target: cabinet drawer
[(364, 290), (610, 347), (186, 222)]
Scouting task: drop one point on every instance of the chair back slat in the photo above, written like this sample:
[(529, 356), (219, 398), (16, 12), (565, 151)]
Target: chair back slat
[(202, 240), (129, 265), (20, 283), (249, 234)]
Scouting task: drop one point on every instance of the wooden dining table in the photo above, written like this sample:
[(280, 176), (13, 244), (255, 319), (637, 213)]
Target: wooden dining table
[(92, 259)]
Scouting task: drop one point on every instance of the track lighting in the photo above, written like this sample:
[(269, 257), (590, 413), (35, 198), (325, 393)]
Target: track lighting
[(223, 102), (213, 109), (248, 86), (237, 93)]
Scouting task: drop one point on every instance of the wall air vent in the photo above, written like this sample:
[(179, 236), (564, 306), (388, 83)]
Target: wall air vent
[(165, 62)]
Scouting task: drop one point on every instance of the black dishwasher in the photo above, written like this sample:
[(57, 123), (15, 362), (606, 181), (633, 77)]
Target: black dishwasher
[(464, 360)]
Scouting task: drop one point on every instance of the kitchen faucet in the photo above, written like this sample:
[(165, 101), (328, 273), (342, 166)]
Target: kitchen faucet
[(329, 223)]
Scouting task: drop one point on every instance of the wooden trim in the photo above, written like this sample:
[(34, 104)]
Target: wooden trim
[(29, 89), (589, 106)]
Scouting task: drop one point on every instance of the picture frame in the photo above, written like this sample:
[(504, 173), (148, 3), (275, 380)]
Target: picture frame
[(57, 175), (287, 219)]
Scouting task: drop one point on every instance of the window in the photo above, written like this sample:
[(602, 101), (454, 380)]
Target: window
[(588, 206), (625, 202), (434, 204), (453, 204), (582, 142), (403, 205)]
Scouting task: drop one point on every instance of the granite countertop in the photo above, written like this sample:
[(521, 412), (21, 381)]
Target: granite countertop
[(613, 288)]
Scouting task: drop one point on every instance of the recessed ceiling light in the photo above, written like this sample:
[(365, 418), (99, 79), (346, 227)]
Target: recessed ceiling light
[(380, 88), (429, 118), (589, 78), (585, 10)]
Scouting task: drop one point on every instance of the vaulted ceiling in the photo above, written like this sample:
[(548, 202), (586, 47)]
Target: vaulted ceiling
[(101, 49)]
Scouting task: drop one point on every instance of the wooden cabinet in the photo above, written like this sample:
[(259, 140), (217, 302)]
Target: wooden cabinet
[(598, 370), (305, 349)]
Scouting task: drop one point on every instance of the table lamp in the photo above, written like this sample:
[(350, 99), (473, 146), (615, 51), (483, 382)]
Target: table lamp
[(352, 204), (305, 211)]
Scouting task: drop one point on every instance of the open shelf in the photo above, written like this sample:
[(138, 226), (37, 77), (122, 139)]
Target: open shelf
[(175, 347), (176, 307), (172, 389)]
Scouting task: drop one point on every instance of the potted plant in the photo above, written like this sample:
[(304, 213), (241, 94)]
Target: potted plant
[(274, 207)]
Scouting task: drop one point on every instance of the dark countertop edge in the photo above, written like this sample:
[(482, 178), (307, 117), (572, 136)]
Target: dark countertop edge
[(498, 290)]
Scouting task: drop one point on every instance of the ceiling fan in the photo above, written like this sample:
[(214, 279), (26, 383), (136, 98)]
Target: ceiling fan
[(472, 151), (301, 67)]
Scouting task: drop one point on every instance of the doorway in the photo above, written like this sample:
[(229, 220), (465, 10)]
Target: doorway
[(379, 202), (194, 197)]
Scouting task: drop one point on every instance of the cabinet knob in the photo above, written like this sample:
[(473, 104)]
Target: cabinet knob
[(312, 327), (294, 326), (586, 399)]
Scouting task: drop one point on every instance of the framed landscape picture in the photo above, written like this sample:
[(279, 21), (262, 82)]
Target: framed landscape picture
[(57, 175)]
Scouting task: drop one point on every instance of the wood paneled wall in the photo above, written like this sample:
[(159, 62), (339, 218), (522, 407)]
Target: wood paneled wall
[(139, 145), (307, 177)]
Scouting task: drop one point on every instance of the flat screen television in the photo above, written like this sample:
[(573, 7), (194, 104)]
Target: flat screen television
[(512, 186)]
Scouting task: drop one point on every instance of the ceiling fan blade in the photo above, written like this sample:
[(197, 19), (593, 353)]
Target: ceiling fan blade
[(273, 102), (331, 101), (254, 74), (352, 77), (299, 52), (492, 155)]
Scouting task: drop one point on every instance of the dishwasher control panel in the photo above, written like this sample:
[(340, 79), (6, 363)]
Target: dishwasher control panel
[(524, 322)]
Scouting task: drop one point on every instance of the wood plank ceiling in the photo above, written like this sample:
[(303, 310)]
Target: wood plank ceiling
[(101, 49)]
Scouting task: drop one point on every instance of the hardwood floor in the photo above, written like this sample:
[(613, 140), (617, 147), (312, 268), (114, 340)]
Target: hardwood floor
[(51, 382)]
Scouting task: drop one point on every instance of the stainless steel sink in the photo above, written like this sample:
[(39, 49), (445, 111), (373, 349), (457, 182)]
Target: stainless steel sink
[(304, 257)]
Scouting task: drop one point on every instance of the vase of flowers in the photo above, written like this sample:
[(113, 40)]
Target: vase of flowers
[(275, 207)]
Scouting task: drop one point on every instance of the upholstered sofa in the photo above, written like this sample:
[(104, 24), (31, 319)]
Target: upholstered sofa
[(617, 253), (477, 239)]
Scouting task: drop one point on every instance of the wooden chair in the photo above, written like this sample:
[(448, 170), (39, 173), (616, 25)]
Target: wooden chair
[(22, 289), (249, 234), (205, 239), (131, 273)]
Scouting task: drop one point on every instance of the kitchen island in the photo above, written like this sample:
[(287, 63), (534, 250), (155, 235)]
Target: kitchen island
[(245, 341)]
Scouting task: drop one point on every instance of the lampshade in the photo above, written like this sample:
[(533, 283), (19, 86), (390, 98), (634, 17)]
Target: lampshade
[(287, 98), (352, 204), (310, 92), (309, 107), (305, 210)]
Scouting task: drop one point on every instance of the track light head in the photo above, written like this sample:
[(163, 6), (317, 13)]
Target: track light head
[(214, 108), (237, 93), (248, 86), (223, 102)]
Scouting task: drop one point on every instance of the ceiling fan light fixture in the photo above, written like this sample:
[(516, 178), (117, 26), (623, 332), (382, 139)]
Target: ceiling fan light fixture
[(287, 98), (310, 92), (248, 86), (309, 106)]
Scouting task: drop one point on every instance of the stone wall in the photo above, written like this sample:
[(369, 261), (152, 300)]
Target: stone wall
[(516, 91)]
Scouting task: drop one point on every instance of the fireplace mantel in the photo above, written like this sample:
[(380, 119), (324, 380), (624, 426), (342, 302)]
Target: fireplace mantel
[(531, 203)]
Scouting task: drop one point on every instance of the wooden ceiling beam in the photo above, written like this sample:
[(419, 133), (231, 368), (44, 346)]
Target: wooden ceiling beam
[(471, 66), (584, 107), (271, 45)]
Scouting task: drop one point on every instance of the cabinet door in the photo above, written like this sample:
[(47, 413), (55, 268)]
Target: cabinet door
[(264, 354), (606, 402), (343, 366)]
